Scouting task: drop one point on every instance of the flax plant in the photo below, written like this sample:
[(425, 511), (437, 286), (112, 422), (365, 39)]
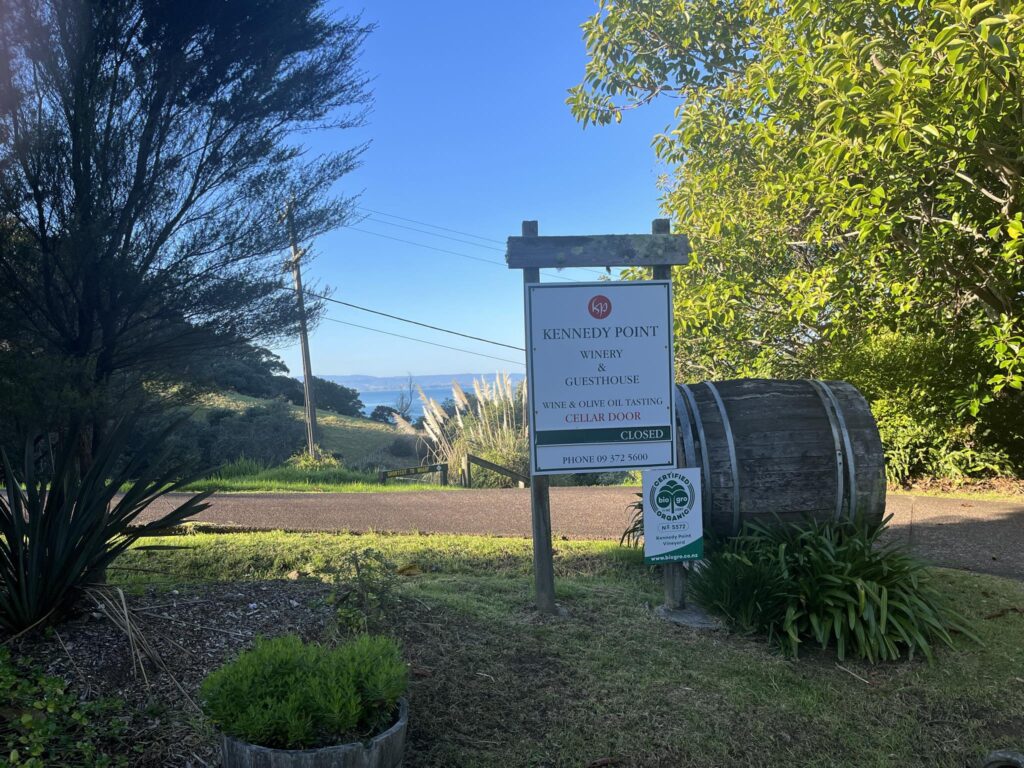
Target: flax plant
[(59, 533)]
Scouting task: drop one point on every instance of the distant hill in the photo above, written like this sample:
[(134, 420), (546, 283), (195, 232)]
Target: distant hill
[(391, 383)]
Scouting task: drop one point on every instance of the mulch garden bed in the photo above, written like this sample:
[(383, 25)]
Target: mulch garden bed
[(193, 629), (197, 627)]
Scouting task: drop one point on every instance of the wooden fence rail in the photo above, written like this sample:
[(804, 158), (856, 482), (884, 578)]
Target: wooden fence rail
[(442, 469), (467, 475)]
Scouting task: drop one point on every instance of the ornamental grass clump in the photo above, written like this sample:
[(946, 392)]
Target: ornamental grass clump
[(491, 423), (286, 694), (830, 583)]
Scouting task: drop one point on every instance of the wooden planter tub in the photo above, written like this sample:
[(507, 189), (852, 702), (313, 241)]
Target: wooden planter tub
[(383, 751)]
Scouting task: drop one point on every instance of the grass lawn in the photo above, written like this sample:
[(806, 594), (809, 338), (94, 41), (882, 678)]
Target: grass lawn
[(496, 684), (983, 489), (965, 492), (258, 484), (363, 443), (288, 479)]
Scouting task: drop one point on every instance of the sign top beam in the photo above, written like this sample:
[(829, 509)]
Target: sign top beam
[(598, 250)]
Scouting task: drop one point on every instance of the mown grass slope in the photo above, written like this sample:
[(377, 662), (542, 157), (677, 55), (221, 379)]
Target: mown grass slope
[(361, 442)]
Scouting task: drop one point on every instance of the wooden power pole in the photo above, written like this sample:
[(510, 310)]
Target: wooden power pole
[(307, 369)]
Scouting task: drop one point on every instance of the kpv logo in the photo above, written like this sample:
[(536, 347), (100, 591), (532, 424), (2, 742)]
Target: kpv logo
[(599, 307)]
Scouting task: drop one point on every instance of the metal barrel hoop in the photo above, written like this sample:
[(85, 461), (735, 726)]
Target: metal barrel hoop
[(702, 441), (732, 456), (826, 404), (685, 429), (851, 466)]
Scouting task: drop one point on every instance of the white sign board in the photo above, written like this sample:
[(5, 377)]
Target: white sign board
[(673, 517), (600, 376)]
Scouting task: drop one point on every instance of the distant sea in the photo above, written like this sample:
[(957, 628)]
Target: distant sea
[(373, 398), (385, 390)]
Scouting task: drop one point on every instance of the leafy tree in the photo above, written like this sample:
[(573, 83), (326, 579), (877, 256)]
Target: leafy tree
[(384, 413), (332, 396), (148, 148), (249, 370), (845, 171)]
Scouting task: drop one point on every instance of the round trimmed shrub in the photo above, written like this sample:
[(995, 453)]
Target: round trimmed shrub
[(287, 694)]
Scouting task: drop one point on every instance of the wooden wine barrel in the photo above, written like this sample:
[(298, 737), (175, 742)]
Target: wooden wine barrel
[(767, 447)]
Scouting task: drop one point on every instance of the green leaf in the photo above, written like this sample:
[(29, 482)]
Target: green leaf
[(997, 44), (945, 36)]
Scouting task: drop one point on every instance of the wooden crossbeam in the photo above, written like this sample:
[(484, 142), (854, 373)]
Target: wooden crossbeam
[(597, 251)]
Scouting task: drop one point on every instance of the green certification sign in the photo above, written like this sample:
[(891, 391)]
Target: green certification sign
[(673, 517)]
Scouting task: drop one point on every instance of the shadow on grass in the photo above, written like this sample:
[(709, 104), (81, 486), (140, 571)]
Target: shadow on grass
[(204, 556)]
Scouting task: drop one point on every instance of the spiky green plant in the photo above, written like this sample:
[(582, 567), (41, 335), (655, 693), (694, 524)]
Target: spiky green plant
[(633, 536), (59, 533), (827, 582), (491, 425)]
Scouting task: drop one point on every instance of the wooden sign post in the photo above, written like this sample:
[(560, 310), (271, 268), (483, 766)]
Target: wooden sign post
[(660, 251), (673, 574)]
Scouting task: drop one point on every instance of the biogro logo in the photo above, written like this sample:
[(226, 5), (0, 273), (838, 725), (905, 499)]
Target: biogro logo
[(672, 496)]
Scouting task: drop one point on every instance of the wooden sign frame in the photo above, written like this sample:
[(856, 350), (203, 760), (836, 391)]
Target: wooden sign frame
[(530, 252)]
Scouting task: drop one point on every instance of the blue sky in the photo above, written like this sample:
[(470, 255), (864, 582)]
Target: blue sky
[(469, 131)]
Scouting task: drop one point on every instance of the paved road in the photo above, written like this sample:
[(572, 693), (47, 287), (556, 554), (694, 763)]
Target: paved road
[(984, 536)]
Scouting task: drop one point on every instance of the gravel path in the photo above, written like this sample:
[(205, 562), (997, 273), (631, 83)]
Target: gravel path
[(580, 513), (985, 536)]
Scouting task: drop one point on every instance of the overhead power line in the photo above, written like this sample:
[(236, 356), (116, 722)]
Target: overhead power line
[(442, 250), (424, 341), (417, 322), (435, 234), (446, 237), (307, 292), (413, 322), (424, 245), (432, 226)]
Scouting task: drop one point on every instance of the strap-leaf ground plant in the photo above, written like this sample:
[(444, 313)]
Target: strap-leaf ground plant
[(831, 583)]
